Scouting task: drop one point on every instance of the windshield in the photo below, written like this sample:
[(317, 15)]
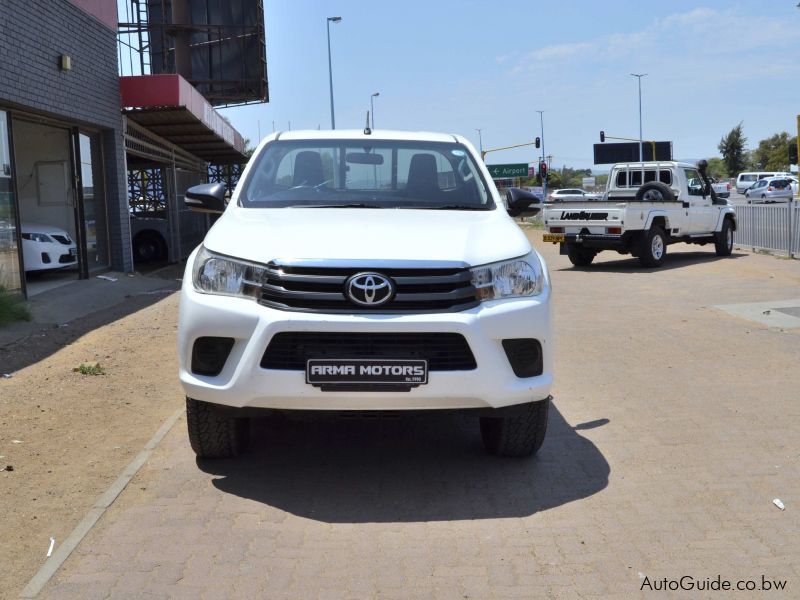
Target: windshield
[(365, 174)]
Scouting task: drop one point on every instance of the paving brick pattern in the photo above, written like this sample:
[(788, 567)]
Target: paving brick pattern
[(672, 431)]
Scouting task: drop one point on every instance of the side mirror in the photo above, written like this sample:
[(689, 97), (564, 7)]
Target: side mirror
[(208, 198), (520, 203)]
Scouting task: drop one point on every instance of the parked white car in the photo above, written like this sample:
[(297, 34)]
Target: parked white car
[(572, 195), (359, 271), (47, 247)]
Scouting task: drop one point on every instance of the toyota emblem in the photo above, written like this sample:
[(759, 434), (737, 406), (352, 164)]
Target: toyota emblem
[(369, 289)]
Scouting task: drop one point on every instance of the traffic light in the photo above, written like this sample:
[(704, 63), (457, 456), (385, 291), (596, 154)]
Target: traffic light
[(543, 169), (538, 142), (793, 154), (602, 136)]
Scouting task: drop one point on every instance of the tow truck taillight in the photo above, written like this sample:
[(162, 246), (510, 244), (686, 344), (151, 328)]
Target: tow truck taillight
[(556, 230), (614, 230), (729, 186)]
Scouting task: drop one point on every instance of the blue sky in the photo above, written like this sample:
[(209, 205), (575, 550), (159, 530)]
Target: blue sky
[(454, 66)]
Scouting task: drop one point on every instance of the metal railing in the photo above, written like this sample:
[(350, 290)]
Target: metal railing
[(773, 227)]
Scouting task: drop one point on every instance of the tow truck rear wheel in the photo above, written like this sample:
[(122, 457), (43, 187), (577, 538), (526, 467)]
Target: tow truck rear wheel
[(724, 239), (518, 435), (580, 257), (653, 247)]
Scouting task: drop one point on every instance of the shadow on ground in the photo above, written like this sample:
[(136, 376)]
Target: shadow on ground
[(420, 468), (38, 341), (676, 260)]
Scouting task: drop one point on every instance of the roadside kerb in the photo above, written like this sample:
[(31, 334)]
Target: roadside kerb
[(49, 568)]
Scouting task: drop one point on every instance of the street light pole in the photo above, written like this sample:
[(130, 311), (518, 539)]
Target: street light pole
[(480, 140), (372, 107), (639, 77), (544, 179), (330, 68)]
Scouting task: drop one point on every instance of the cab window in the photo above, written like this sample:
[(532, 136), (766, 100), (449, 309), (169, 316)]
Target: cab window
[(695, 184)]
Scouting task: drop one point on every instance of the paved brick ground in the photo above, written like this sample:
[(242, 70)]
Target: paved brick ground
[(674, 427)]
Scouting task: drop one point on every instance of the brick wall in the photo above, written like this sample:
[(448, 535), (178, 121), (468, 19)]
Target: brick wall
[(33, 35)]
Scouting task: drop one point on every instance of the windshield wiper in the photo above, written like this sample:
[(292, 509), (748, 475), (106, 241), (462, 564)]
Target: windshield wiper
[(351, 205)]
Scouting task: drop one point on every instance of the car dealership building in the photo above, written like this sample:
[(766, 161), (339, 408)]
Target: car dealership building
[(77, 139)]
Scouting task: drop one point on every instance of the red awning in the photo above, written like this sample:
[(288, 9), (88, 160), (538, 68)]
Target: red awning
[(170, 107)]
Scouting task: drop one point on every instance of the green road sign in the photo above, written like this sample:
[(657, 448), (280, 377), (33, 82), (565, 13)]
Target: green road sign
[(505, 171)]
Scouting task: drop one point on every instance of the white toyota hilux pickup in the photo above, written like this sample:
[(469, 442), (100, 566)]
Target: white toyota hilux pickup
[(676, 203), (365, 271)]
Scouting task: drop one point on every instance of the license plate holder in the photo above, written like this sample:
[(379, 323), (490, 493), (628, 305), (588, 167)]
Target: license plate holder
[(553, 237), (367, 373)]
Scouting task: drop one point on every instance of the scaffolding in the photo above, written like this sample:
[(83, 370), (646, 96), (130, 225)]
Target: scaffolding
[(227, 174), (228, 60)]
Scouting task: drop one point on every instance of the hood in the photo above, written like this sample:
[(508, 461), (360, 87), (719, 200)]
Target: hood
[(264, 234), (41, 228)]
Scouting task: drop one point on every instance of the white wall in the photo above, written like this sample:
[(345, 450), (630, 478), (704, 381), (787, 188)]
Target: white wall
[(47, 201)]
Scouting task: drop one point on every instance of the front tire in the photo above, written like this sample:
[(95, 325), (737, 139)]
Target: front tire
[(214, 435), (518, 435), (148, 247), (724, 239), (580, 257), (653, 247)]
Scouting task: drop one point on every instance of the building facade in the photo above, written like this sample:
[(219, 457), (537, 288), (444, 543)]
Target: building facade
[(71, 142)]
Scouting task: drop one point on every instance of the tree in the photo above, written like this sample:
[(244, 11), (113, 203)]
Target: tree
[(717, 168), (772, 153), (731, 147)]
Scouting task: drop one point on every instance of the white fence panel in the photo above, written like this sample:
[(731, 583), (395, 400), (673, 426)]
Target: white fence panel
[(769, 227)]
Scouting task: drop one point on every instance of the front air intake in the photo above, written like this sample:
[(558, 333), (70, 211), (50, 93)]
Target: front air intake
[(524, 356), (209, 355)]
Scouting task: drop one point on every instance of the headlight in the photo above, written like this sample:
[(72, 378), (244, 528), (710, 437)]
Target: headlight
[(509, 279), (215, 274), (36, 237)]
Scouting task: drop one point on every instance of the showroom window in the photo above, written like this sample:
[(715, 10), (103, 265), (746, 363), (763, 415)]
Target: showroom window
[(9, 257)]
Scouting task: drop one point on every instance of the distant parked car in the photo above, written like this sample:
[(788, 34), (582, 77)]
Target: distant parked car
[(47, 247), (775, 189), (747, 179), (722, 189), (572, 195)]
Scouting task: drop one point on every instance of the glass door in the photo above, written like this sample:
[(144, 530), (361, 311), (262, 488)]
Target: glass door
[(10, 276), (92, 204)]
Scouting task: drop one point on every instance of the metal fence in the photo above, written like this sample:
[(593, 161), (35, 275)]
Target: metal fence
[(774, 227)]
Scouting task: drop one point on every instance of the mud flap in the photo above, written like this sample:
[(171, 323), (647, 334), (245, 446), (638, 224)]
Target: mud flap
[(562, 249)]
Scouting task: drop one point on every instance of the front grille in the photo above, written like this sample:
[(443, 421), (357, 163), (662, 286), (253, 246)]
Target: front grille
[(61, 239), (322, 289), (290, 350)]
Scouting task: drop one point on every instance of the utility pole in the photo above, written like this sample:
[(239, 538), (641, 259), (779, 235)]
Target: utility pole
[(544, 179), (639, 77), (330, 68), (480, 140)]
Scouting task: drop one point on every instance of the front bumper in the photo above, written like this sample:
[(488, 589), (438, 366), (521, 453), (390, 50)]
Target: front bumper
[(243, 383), (40, 256)]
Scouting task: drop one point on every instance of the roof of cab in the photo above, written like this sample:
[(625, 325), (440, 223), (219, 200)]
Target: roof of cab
[(358, 134)]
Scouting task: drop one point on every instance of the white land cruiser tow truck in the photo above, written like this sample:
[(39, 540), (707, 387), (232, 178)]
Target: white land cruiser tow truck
[(677, 203), (365, 271)]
